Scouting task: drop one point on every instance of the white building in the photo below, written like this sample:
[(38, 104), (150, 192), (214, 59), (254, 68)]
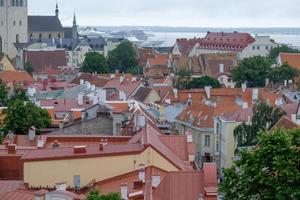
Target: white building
[(13, 25)]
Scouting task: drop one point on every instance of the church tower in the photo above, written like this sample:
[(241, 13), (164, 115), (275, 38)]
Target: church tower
[(56, 11), (74, 32), (13, 25)]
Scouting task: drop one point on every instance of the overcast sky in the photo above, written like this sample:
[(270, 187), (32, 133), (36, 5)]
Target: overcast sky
[(194, 13)]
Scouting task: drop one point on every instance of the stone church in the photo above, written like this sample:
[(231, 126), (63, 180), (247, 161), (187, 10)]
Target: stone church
[(16, 27)]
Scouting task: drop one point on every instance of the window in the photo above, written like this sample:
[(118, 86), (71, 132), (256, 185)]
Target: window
[(17, 38), (1, 3), (31, 37), (267, 47), (40, 37), (21, 3), (217, 146), (218, 128), (258, 47), (2, 23), (207, 141), (253, 48), (13, 3), (59, 36), (50, 36), (20, 23), (14, 23)]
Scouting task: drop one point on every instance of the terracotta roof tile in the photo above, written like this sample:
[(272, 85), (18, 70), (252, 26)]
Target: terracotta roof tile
[(292, 59), (160, 60), (285, 123), (15, 77)]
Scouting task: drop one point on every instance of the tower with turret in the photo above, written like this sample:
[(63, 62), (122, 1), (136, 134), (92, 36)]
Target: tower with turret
[(13, 25)]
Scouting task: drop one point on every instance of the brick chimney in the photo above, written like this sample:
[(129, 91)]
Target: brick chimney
[(12, 148), (80, 149), (124, 191)]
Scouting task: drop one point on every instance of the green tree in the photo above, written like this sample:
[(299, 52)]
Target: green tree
[(202, 82), (94, 62), (135, 70), (271, 171), (274, 53), (264, 118), (19, 93), (21, 115), (3, 94), (284, 72), (123, 58), (252, 70), (28, 67), (95, 195)]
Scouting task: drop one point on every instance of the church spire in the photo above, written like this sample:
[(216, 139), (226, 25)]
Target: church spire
[(56, 10), (74, 21)]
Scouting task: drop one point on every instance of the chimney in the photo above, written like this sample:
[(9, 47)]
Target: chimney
[(155, 180), (133, 79), (12, 148), (61, 125), (267, 82), (81, 82), (244, 87), (112, 76), (31, 133), (80, 99), (254, 94), (121, 79), (80, 149), (101, 147), (294, 117), (6, 143), (207, 91), (285, 82), (175, 91), (244, 105), (40, 142), (102, 95), (124, 191), (142, 173), (61, 186), (93, 87), (95, 99), (122, 95)]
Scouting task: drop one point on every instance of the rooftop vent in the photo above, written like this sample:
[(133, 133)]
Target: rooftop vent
[(80, 149)]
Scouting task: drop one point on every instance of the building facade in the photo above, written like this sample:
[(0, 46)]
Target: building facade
[(13, 25)]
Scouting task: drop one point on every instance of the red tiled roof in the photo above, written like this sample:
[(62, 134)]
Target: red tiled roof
[(97, 80), (185, 45), (118, 107), (127, 86), (292, 59), (242, 115), (64, 105), (15, 77), (18, 195), (285, 123), (9, 186), (46, 59), (226, 41), (159, 60)]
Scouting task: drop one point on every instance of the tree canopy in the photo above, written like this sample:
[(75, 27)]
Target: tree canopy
[(264, 118), (252, 70), (3, 94), (274, 53), (94, 62), (21, 115), (123, 58), (282, 73), (270, 171), (95, 195), (202, 82)]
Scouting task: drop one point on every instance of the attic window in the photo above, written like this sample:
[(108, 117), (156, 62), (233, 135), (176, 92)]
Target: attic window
[(56, 102)]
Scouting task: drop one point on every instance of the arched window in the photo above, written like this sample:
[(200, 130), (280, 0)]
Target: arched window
[(50, 36), (40, 37), (1, 3), (14, 23), (20, 22), (17, 38), (17, 3), (30, 37), (0, 44)]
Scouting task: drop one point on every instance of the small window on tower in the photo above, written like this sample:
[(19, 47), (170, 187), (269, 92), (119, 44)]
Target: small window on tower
[(1, 3), (20, 23), (14, 23)]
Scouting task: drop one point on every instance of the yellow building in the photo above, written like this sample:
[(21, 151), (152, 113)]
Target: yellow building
[(80, 165), (6, 63)]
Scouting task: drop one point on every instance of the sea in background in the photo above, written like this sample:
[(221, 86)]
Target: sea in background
[(289, 36)]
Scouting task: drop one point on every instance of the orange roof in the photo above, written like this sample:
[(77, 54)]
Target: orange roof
[(15, 77), (119, 107), (285, 123), (159, 60), (292, 59)]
